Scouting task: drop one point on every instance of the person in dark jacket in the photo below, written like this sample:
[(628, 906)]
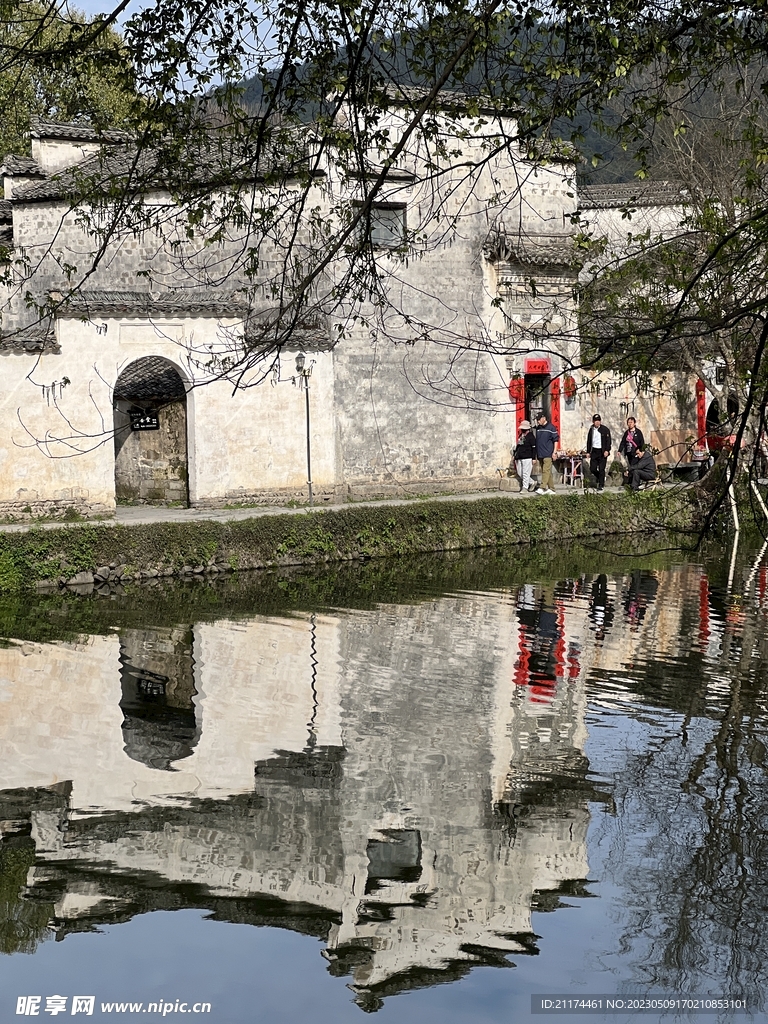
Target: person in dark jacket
[(632, 442), (524, 454), (546, 438), (643, 468), (598, 448)]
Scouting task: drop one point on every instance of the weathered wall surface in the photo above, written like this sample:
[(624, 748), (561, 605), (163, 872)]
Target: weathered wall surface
[(423, 401), (252, 445), (665, 411), (55, 433), (618, 224), (665, 407), (396, 437), (47, 232)]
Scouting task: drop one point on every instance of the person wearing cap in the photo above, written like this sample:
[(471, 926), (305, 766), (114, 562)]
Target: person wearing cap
[(524, 453), (598, 449)]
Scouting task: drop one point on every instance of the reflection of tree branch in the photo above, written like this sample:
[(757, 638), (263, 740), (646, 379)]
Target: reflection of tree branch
[(698, 803)]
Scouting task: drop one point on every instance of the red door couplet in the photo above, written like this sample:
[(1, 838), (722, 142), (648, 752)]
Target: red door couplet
[(554, 403), (701, 414)]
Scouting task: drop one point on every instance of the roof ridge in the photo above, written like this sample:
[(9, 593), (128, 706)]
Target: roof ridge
[(636, 193), (75, 131)]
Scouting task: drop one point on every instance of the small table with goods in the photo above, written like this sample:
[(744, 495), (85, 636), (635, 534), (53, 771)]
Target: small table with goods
[(569, 463)]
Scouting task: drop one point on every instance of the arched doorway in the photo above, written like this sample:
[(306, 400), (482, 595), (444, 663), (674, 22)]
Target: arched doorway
[(150, 422)]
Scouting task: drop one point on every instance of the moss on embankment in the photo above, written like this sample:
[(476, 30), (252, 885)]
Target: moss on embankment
[(75, 555)]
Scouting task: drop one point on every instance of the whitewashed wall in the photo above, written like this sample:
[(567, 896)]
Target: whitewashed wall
[(56, 446)]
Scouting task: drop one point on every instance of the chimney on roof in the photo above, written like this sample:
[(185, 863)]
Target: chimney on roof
[(55, 147)]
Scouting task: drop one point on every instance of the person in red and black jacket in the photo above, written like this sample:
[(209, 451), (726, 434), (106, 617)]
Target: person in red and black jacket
[(632, 442), (598, 448)]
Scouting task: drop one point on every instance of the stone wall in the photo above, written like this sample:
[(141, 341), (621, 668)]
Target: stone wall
[(106, 555), (55, 421)]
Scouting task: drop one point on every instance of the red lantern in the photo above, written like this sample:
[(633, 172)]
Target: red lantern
[(517, 389), (569, 387)]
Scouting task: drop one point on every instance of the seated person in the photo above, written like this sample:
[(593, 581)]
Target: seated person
[(642, 469)]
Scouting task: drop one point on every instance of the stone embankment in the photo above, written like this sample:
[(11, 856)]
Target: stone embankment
[(101, 555)]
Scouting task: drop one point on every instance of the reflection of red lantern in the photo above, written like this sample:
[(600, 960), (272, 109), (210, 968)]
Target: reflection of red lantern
[(569, 387), (517, 389)]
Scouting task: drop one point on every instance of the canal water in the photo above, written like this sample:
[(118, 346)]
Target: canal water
[(432, 790)]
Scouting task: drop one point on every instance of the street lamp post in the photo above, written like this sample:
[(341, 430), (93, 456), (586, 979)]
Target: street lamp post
[(303, 373)]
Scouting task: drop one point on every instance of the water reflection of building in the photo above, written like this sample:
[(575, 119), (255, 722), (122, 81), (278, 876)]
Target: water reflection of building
[(157, 679), (411, 795)]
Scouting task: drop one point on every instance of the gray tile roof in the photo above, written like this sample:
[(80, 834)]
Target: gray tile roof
[(633, 194), (22, 166), (405, 93), (39, 337), (144, 170), (101, 167), (203, 302), (268, 328), (43, 129), (6, 211), (104, 171), (528, 249)]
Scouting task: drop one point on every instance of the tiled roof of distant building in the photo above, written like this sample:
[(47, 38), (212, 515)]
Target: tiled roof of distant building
[(6, 224), (452, 100), (632, 193), (42, 129), (143, 170), (114, 163)]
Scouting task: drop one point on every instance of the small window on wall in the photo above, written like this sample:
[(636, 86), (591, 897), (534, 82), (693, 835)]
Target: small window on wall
[(387, 222)]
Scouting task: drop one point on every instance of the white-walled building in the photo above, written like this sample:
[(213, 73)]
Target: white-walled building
[(121, 393)]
